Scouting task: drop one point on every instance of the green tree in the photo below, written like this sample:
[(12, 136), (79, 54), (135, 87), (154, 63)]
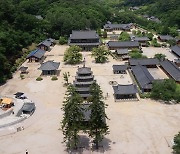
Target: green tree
[(134, 32), (100, 54), (173, 31), (155, 43), (99, 31), (139, 33), (124, 36), (136, 54), (73, 114), (98, 127), (66, 76), (62, 40), (160, 56), (164, 90), (172, 42), (176, 146), (165, 30), (73, 55), (104, 34), (150, 36)]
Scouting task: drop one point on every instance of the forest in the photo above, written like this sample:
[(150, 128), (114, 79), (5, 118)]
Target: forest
[(167, 11), (20, 25)]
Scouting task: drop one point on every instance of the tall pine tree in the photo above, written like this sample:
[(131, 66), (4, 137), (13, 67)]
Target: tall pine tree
[(98, 127), (73, 114)]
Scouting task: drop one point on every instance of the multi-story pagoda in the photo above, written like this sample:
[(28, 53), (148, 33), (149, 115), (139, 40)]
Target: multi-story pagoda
[(83, 80)]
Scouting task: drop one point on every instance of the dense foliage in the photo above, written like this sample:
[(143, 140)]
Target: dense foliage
[(160, 56), (124, 36), (62, 40), (166, 90), (73, 55), (74, 117), (167, 11), (100, 54), (98, 127), (73, 114), (176, 146), (23, 22), (17, 30), (136, 54)]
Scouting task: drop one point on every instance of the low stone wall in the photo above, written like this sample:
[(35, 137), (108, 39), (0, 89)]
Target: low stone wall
[(9, 112), (13, 123)]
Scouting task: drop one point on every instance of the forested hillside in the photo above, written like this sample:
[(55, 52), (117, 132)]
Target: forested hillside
[(19, 26), (168, 11)]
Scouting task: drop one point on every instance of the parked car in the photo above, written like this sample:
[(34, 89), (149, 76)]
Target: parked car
[(20, 95)]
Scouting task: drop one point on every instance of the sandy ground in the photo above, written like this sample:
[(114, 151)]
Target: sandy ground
[(151, 51), (157, 73), (140, 127)]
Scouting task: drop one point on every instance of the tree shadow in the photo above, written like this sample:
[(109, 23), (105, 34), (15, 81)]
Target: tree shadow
[(103, 146), (83, 145)]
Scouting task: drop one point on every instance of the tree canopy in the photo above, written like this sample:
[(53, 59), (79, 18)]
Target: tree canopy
[(100, 54), (21, 25), (73, 114), (73, 55), (176, 146), (98, 127), (136, 54), (160, 56), (124, 36), (165, 90)]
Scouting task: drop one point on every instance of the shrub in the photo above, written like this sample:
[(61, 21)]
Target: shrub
[(22, 77), (150, 35), (39, 78), (104, 34), (145, 95), (62, 40), (135, 53), (155, 43), (54, 78), (160, 56)]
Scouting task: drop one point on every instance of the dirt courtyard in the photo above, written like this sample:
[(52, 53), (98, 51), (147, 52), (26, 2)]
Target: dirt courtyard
[(151, 51), (139, 127)]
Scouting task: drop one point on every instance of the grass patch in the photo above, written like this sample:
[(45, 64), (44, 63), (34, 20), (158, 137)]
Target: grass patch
[(145, 95), (22, 76)]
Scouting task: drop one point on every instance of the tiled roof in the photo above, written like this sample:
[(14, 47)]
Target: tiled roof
[(119, 67), (124, 44), (84, 35), (172, 69), (144, 61), (125, 89), (176, 50), (38, 53), (143, 77), (49, 66)]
